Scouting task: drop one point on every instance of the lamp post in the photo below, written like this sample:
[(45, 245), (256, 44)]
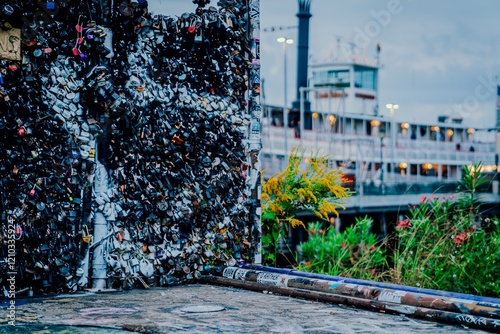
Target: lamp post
[(285, 41), (382, 186), (392, 107), (382, 163)]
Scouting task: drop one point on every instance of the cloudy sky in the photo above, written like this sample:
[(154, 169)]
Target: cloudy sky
[(438, 57)]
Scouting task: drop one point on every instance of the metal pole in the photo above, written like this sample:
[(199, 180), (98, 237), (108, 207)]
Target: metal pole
[(381, 166), (285, 41), (99, 273), (302, 108), (314, 127), (392, 107), (393, 141), (383, 285), (330, 112), (102, 154), (343, 132), (285, 113)]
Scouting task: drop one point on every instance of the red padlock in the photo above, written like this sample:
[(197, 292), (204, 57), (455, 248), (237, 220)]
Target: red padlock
[(21, 132)]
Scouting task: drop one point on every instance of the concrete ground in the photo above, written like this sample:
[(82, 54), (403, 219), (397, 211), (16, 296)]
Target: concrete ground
[(200, 308)]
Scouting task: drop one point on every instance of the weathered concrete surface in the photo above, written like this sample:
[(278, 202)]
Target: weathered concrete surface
[(163, 310)]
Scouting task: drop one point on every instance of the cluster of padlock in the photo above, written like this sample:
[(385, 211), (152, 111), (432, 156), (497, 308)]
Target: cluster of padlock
[(161, 102), (178, 149), (45, 175)]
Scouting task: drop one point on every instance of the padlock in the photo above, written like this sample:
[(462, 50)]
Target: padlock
[(146, 268)]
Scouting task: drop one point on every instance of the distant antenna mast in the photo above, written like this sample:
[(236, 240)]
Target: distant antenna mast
[(377, 56), (338, 38), (353, 52)]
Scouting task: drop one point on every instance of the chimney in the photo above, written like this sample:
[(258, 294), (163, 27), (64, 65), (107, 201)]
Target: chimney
[(304, 15)]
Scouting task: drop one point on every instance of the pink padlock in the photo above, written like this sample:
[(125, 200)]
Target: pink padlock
[(21, 132)]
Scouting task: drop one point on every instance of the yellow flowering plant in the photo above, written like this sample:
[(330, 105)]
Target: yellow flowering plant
[(316, 189)]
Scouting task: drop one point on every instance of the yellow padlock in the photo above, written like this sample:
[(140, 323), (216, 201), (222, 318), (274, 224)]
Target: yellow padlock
[(86, 237)]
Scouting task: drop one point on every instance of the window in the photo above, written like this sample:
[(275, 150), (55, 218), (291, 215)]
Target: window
[(335, 78), (365, 78)]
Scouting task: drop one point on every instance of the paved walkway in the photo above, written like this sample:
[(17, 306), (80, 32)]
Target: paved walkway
[(202, 308)]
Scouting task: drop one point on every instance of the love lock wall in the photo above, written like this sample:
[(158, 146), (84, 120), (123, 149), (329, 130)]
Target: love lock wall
[(131, 143)]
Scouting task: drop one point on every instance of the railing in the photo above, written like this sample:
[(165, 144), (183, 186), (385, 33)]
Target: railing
[(410, 188), (345, 147), (448, 146), (341, 147)]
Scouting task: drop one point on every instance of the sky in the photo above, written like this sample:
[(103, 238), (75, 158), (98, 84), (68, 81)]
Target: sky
[(437, 57)]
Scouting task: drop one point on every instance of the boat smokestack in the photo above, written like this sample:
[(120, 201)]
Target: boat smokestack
[(304, 15)]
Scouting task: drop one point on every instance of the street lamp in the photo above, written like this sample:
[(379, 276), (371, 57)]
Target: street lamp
[(392, 107), (285, 41), (382, 134)]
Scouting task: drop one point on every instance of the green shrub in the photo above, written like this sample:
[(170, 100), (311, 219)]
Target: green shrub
[(352, 253), (443, 244)]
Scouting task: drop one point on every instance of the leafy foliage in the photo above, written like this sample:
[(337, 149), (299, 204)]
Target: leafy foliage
[(316, 189), (352, 253), (445, 245)]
